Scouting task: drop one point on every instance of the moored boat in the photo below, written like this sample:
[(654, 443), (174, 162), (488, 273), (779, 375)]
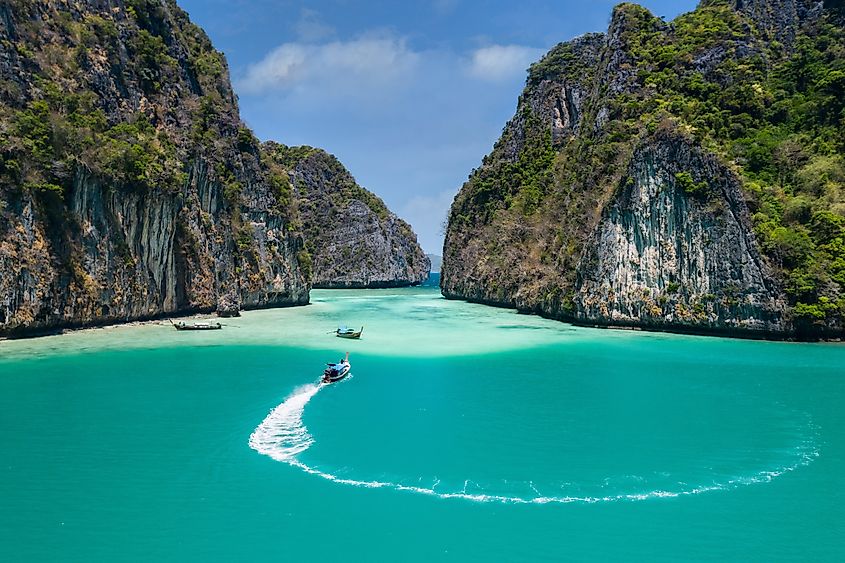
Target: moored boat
[(335, 372), (182, 325), (344, 332)]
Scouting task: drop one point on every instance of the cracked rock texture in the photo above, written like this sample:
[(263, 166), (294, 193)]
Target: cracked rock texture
[(661, 258)]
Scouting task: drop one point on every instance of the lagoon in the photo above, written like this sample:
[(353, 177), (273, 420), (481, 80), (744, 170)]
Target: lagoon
[(465, 433)]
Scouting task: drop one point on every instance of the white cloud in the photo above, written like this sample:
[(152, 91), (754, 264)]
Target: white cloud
[(502, 62), (372, 67), (408, 123), (348, 66)]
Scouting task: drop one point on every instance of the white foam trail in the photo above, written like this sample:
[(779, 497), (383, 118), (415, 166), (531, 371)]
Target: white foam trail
[(282, 436)]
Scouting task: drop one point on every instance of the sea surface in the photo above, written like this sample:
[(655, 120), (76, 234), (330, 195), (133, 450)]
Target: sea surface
[(465, 433)]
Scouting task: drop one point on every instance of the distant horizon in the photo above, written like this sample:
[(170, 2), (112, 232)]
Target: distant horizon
[(408, 97)]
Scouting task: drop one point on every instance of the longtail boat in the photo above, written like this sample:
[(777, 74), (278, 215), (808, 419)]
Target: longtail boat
[(182, 325), (344, 332), (335, 372)]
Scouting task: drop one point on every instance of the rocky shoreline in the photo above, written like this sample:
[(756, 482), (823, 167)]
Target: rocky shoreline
[(158, 319), (669, 329)]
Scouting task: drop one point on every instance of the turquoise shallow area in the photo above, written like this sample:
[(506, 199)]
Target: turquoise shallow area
[(465, 433)]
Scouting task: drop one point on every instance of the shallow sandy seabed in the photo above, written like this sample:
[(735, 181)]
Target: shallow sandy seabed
[(397, 322)]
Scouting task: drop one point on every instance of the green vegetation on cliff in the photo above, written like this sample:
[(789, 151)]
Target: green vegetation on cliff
[(521, 184), (49, 140), (60, 126), (344, 188)]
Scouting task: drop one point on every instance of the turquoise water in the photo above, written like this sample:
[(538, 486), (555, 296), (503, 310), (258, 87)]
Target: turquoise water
[(465, 433)]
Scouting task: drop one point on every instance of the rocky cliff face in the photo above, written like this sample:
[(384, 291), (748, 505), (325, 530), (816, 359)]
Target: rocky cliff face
[(352, 239), (662, 258), (661, 176), (778, 20), (129, 188)]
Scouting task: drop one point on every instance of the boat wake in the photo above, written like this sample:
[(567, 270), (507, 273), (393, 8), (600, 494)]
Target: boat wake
[(282, 436)]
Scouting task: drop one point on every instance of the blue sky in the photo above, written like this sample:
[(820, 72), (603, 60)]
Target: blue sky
[(408, 95)]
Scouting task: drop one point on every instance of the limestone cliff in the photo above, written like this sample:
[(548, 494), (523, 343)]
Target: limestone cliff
[(683, 176), (352, 238), (129, 188), (659, 257)]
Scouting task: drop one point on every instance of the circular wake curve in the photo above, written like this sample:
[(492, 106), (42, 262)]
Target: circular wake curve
[(283, 436)]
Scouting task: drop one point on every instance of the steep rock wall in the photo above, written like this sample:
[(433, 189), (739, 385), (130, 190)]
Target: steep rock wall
[(663, 258)]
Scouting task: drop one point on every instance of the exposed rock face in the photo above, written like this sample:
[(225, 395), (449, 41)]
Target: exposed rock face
[(128, 186), (610, 199), (353, 240), (556, 96), (780, 19), (662, 258)]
